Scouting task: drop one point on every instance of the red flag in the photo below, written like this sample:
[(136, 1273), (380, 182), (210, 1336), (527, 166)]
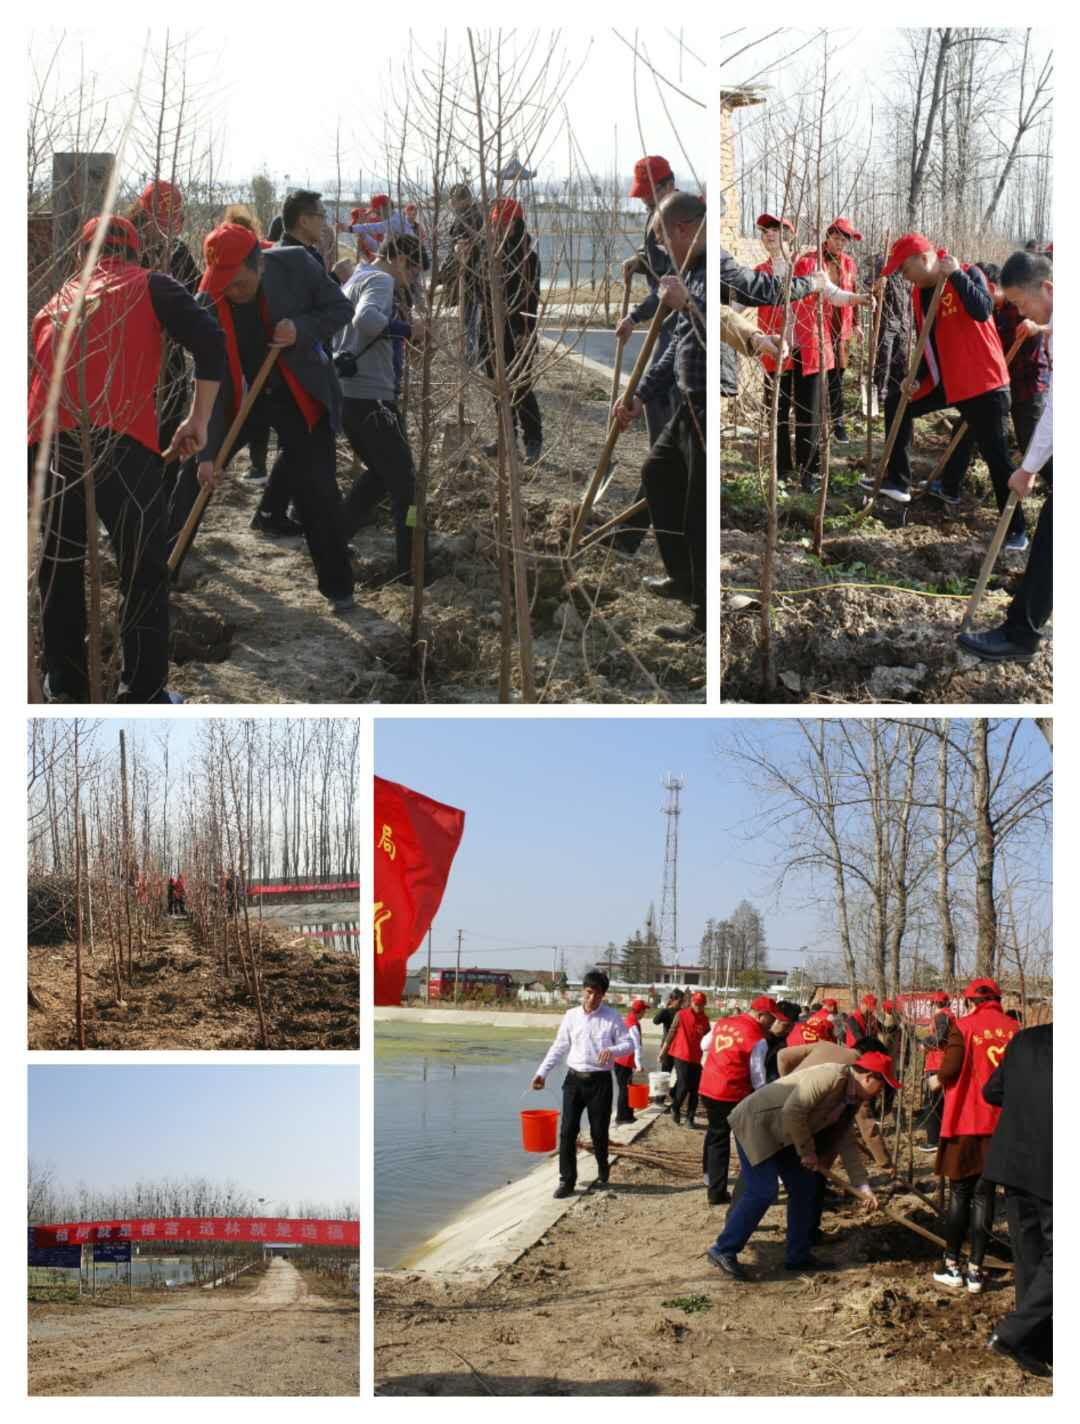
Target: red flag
[(416, 840)]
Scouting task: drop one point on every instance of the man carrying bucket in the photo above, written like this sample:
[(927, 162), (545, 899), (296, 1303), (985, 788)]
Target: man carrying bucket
[(589, 1038)]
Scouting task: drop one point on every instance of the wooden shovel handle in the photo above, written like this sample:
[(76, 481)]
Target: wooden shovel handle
[(620, 345), (990, 560), (193, 520)]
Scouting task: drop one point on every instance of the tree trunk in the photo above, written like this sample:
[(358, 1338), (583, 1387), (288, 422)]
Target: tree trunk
[(985, 909)]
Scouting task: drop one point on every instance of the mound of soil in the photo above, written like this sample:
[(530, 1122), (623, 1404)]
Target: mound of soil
[(618, 1298), (249, 624), (846, 642), (180, 998)]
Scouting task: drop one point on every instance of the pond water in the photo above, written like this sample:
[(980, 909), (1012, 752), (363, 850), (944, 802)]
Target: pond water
[(447, 1099), (145, 1271)]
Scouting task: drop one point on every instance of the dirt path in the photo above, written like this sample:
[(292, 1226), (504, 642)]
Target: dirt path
[(278, 1339), (589, 1310), (180, 998)]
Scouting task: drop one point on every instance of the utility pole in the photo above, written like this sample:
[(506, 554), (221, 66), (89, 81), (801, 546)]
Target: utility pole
[(457, 973), (669, 899), (427, 989)]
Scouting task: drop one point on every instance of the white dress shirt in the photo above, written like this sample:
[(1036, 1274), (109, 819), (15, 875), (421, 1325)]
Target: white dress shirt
[(1041, 445), (582, 1037)]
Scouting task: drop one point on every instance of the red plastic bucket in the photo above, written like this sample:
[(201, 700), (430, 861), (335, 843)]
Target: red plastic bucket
[(539, 1129), (637, 1095)]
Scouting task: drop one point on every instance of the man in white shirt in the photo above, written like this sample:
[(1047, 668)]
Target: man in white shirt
[(1027, 280), (589, 1038)]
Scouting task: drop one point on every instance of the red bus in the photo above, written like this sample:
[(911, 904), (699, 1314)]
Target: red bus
[(492, 983)]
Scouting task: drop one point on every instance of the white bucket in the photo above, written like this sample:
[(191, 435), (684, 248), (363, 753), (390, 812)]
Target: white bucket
[(658, 1085)]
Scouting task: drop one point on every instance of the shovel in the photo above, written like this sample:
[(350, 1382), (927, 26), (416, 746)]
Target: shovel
[(990, 560), (620, 346), (187, 534)]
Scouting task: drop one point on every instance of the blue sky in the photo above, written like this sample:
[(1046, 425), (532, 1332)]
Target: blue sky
[(285, 1133), (564, 836)]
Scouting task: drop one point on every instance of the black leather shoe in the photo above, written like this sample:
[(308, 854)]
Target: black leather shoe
[(730, 1265), (564, 1189), (279, 526), (995, 646), (665, 587), (601, 1180), (1026, 1362), (719, 1196), (680, 632)]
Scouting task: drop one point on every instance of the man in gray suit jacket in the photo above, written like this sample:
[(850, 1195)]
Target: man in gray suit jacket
[(282, 298)]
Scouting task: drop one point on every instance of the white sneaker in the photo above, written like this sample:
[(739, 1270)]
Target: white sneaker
[(974, 1280), (950, 1276)]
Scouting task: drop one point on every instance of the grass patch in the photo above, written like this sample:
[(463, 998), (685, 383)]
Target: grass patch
[(689, 1304)]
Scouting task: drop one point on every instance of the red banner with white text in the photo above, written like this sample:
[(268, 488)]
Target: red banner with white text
[(261, 1229), (416, 840)]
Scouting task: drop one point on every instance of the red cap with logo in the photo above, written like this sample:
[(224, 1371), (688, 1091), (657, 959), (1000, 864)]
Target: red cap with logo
[(843, 226), (637, 1006), (939, 996), (697, 999), (764, 1005), (225, 250), (982, 989), (888, 1006), (504, 211), (380, 201), (121, 233), (165, 204), (830, 1004), (767, 220), (869, 1001), (909, 245), (879, 1063), (649, 173)]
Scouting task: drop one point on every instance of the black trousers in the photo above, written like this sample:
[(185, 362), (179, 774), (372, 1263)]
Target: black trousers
[(1031, 1230), (673, 476), (687, 1078), (891, 363), (971, 1213), (374, 430), (658, 412), (523, 402), (130, 501), (836, 393), (310, 459), (716, 1149), (623, 1111), (932, 1118), (584, 1093), (1033, 601), (798, 413), (987, 420)]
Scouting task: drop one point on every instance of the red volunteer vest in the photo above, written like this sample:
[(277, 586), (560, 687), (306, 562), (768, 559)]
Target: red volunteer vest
[(631, 1021), (771, 319), (116, 355), (812, 1031), (969, 352), (849, 274), (987, 1033), (726, 1074), (690, 1028), (867, 1024)]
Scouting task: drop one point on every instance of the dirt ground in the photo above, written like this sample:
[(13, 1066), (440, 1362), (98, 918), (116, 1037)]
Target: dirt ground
[(590, 1309), (250, 626), (868, 644), (180, 999), (278, 1338)]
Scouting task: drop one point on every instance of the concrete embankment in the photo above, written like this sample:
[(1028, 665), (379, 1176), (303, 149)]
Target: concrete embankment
[(494, 1018)]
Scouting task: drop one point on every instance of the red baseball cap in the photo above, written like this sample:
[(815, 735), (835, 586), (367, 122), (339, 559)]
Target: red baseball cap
[(842, 225), (764, 1005), (697, 998), (120, 233), (225, 250), (982, 989), (380, 200), (648, 174), (869, 1001), (504, 211), (638, 1004), (909, 245), (165, 204), (879, 1063), (939, 996), (888, 1005), (829, 1004), (767, 220)]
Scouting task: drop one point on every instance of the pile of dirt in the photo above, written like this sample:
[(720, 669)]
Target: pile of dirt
[(618, 1298), (179, 996), (249, 625)]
